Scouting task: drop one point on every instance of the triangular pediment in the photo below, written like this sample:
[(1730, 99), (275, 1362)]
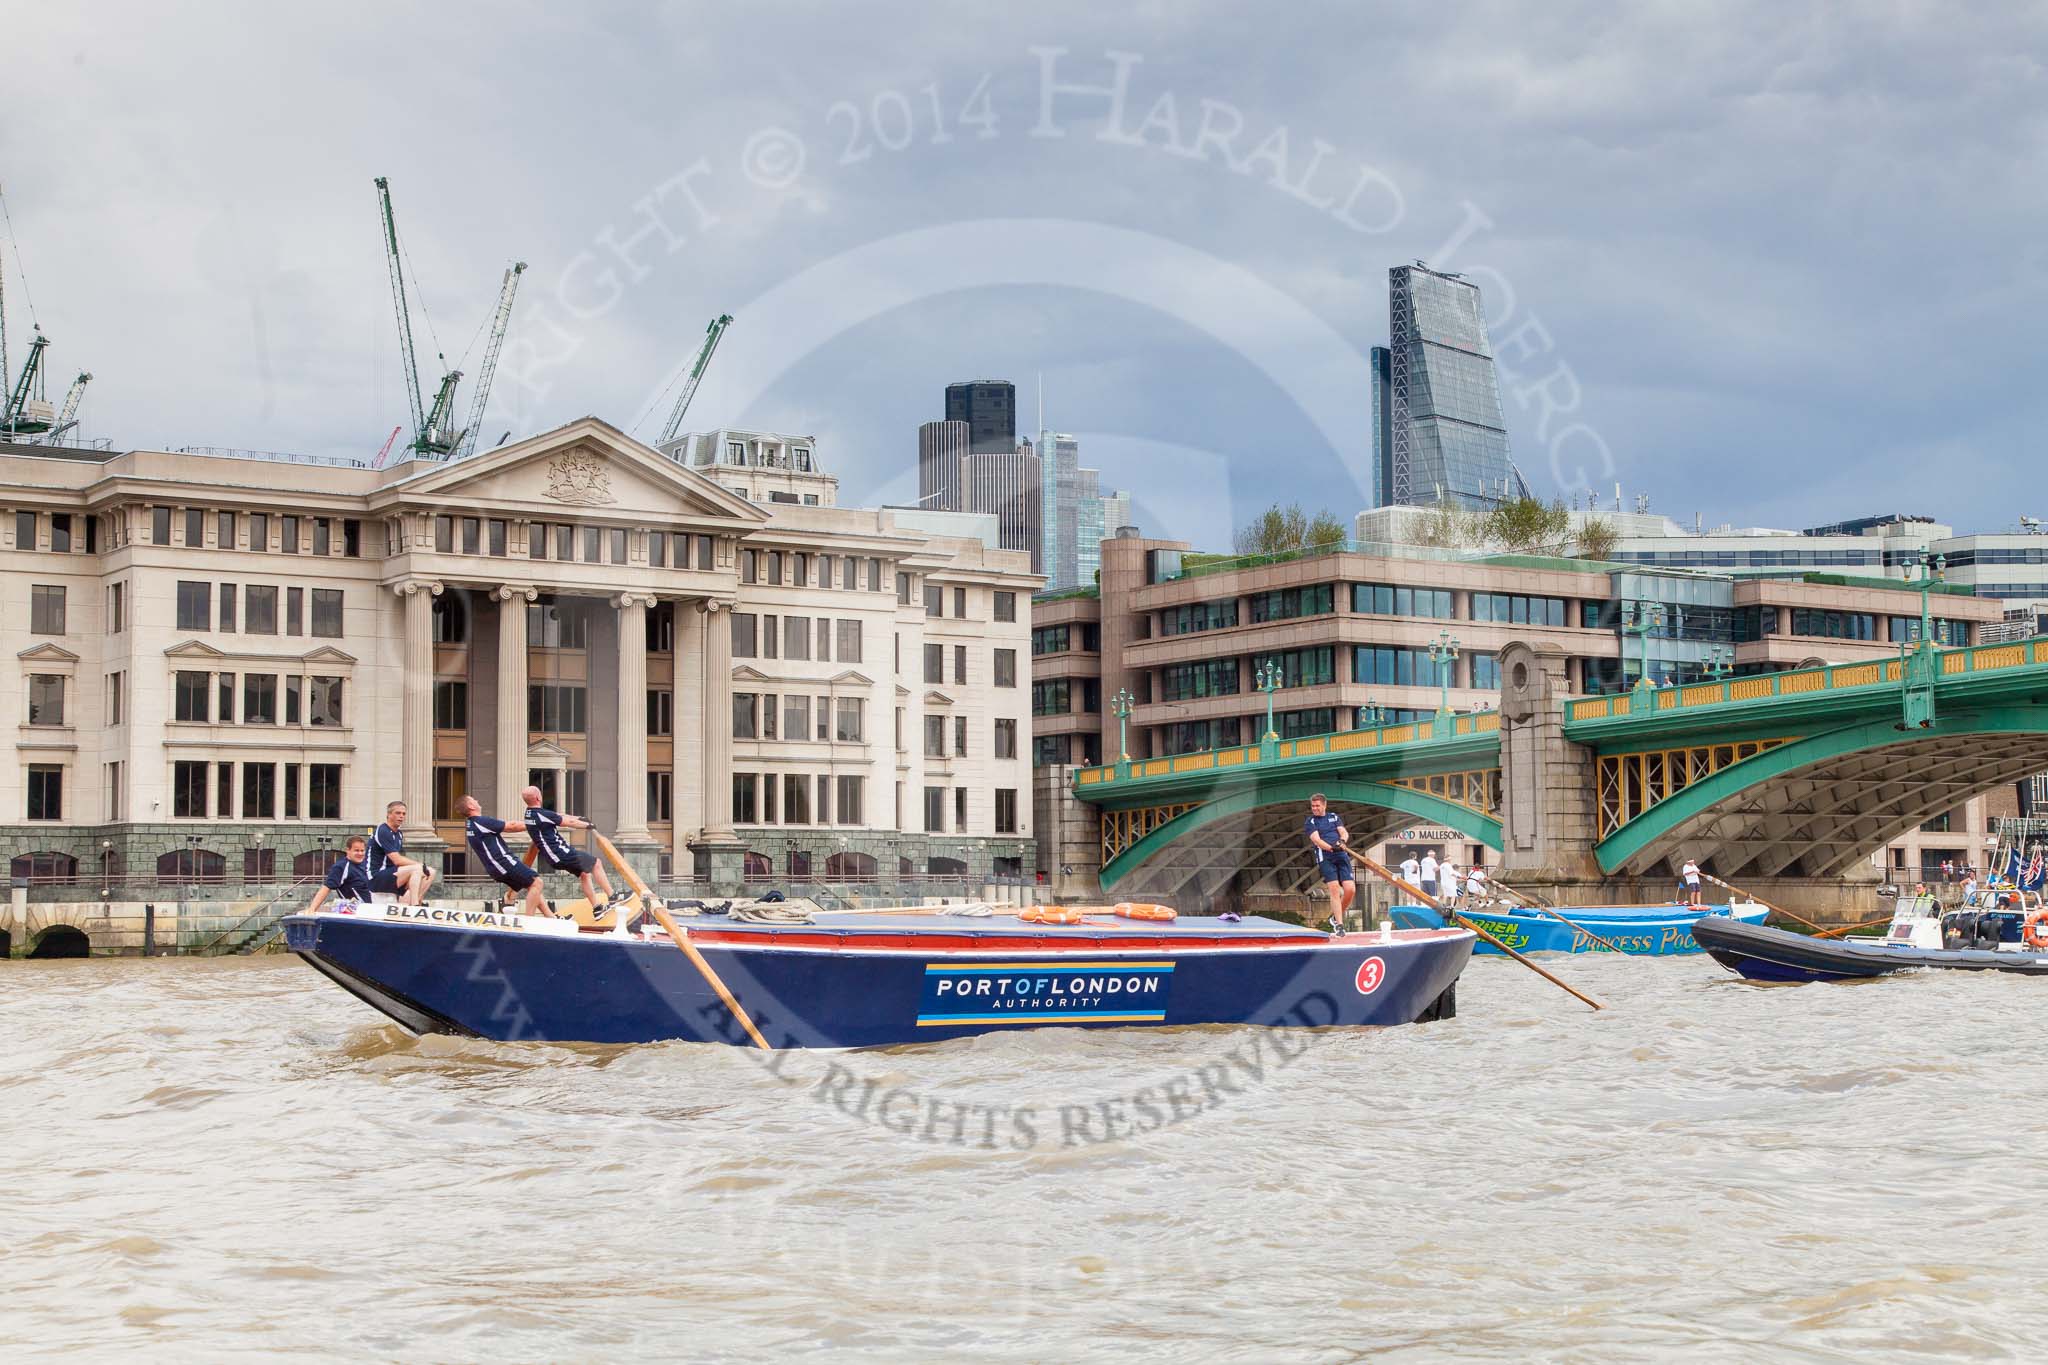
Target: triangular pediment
[(588, 469), (853, 678), (194, 649), (328, 654), (749, 673), (47, 653), (937, 699), (546, 752), (901, 690)]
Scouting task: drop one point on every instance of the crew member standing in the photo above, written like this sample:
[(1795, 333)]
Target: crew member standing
[(1327, 836), (545, 827), (486, 839), (1691, 873), (1411, 873), (1429, 871)]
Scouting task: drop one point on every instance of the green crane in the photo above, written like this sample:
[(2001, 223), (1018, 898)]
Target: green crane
[(434, 434), (711, 336)]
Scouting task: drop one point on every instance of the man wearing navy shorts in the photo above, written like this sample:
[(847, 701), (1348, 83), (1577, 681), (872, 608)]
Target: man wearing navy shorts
[(1326, 836), (390, 870), (545, 827), (486, 839)]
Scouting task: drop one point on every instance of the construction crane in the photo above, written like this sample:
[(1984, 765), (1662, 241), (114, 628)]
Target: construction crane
[(67, 417), (711, 336), (489, 369), (385, 453), (28, 411)]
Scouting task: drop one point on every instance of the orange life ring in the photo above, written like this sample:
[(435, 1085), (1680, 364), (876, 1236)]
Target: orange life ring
[(2029, 931), (1050, 914), (1129, 910)]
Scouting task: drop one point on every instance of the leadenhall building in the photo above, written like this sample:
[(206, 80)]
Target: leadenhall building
[(221, 664)]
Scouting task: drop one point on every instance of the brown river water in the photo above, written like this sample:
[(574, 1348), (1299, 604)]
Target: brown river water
[(228, 1158)]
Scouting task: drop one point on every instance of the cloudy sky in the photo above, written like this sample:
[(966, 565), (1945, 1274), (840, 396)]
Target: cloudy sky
[(1770, 263)]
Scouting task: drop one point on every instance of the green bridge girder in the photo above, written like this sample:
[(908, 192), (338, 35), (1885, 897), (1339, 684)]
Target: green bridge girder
[(1850, 780), (1262, 829)]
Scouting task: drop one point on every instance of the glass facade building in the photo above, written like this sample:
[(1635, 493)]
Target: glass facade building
[(1446, 435), (989, 407)]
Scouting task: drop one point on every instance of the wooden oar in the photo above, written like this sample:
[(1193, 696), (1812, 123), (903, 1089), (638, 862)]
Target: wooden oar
[(682, 940), (1774, 909), (1450, 914), (1546, 910), (1852, 928)]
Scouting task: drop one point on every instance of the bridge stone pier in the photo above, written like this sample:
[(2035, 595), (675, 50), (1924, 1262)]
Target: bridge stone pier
[(1783, 784)]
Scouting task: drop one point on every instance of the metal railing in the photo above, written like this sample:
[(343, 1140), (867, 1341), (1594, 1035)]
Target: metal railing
[(1802, 681), (275, 456), (258, 925), (1312, 746)]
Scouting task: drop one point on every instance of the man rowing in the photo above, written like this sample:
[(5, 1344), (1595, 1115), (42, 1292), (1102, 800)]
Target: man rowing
[(545, 827), (390, 870), (486, 839), (1327, 837)]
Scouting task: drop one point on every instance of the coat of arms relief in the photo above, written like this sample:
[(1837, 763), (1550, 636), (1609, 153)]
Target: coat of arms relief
[(577, 477)]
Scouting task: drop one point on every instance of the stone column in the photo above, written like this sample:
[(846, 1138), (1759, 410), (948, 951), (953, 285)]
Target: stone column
[(632, 720), (717, 720), (416, 730), (511, 698)]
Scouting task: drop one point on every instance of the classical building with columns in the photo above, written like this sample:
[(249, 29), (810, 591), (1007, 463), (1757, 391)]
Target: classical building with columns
[(223, 663)]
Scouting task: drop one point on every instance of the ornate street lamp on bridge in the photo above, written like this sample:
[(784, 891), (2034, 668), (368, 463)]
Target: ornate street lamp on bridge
[(1120, 707), (1443, 652), (1639, 620), (1267, 678)]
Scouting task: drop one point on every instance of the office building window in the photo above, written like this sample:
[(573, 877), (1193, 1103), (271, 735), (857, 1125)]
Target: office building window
[(1394, 667), (1485, 671), (935, 810), (565, 542), (227, 608), (323, 535), (259, 609), (1190, 737), (960, 736), (661, 712), (494, 538), (292, 710), (294, 784), (288, 535), (768, 634), (323, 701), (451, 705), (661, 797), (159, 526), (294, 611), (796, 631), (1006, 739), (327, 613), (850, 724), (849, 642), (195, 527), (259, 699), (60, 532), (1284, 604), (934, 736), (224, 698), (934, 600), (1006, 810), (960, 810), (1206, 678), (1302, 667), (450, 784), (746, 715), (618, 545), (852, 793), (824, 638), (117, 690), (934, 663), (1050, 640), (555, 709), (1006, 606), (1384, 599), (195, 606), (323, 791), (1006, 668), (796, 798), (188, 790), (743, 628), (259, 530), (224, 790), (46, 609), (189, 696), (960, 664), (45, 699), (259, 791), (1050, 698), (24, 530), (117, 608), (796, 717), (1320, 720), (1517, 609)]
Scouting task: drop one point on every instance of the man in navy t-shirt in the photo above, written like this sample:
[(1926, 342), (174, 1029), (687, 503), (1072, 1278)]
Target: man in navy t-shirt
[(1326, 837), (545, 827), (390, 870), (348, 879), (486, 839)]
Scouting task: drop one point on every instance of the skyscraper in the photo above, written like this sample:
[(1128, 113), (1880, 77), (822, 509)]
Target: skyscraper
[(989, 407), (940, 448), (1008, 485), (1446, 435), (1382, 426)]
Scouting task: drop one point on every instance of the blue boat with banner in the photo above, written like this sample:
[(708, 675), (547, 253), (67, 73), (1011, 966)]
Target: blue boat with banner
[(1634, 930), (790, 975)]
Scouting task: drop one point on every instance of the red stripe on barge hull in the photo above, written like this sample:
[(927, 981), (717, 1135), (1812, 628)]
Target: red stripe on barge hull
[(1017, 943)]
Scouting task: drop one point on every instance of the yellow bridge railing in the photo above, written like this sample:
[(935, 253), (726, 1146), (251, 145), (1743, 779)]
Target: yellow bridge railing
[(1343, 741), (1798, 682)]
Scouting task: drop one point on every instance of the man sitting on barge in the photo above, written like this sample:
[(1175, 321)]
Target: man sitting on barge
[(349, 878)]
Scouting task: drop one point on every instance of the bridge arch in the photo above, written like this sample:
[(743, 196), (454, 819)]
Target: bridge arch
[(1245, 820), (1816, 806)]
